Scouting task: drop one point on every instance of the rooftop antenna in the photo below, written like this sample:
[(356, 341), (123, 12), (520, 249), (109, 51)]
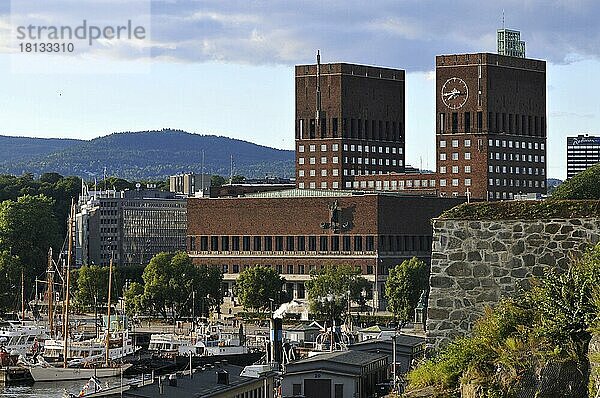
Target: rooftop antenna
[(202, 174), (231, 172), (318, 116), (503, 18)]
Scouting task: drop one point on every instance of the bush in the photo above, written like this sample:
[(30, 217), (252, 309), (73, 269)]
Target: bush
[(524, 210), (585, 185)]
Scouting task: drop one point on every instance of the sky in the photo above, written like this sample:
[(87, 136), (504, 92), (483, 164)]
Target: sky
[(227, 67)]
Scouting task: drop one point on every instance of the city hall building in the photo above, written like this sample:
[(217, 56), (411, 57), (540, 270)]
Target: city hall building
[(297, 231)]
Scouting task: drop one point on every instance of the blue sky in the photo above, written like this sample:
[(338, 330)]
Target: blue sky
[(226, 67)]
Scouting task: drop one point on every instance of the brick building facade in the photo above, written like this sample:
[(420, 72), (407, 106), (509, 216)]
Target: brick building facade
[(349, 121), (297, 231), (491, 125)]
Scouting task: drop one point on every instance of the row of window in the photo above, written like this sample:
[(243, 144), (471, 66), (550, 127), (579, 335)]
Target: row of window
[(517, 157), (498, 122), (350, 128), (323, 147), (351, 160), (455, 182), (391, 185), (517, 144), (322, 185), (455, 156), (516, 183), (455, 169), (311, 243), (517, 170), (352, 148), (313, 173)]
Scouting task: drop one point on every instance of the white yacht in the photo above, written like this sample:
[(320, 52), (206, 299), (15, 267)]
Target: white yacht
[(183, 345), (22, 338)]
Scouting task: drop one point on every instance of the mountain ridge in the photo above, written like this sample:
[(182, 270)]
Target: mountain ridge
[(144, 155)]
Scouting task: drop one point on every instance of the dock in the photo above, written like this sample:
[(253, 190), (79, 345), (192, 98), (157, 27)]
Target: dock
[(14, 375)]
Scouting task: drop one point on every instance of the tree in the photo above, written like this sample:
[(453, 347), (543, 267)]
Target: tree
[(330, 289), (258, 286), (171, 281), (584, 185), (217, 180), (28, 227), (10, 274), (404, 286), (92, 286)]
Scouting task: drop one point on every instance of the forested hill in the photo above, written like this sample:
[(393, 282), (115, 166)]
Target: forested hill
[(143, 155)]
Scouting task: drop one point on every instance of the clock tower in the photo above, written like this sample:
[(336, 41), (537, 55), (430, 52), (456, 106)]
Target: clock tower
[(490, 126)]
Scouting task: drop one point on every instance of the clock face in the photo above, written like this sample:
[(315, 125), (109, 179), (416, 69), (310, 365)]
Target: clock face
[(455, 93)]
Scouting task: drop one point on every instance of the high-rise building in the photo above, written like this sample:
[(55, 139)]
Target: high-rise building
[(129, 226), (349, 122), (510, 43), (190, 184), (491, 125), (583, 151)]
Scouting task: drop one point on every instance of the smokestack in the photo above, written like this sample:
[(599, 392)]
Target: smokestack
[(276, 339)]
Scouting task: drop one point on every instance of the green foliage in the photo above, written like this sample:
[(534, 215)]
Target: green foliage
[(217, 180), (330, 287), (171, 281), (257, 286), (524, 210), (404, 286), (91, 286), (28, 227), (552, 321), (143, 155), (584, 185), (10, 275)]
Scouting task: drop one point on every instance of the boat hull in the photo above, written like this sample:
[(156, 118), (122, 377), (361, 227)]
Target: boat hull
[(58, 374)]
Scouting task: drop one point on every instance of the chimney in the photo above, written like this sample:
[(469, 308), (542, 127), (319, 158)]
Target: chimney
[(223, 377)]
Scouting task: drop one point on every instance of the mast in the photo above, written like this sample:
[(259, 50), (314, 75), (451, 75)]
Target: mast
[(318, 115), (110, 267), (68, 280), (50, 277), (22, 296)]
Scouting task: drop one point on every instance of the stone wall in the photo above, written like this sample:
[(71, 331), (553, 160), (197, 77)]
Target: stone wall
[(475, 263)]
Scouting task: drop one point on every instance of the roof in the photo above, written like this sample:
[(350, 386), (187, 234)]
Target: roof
[(344, 357), (374, 329), (204, 384), (401, 339), (328, 193), (301, 327)]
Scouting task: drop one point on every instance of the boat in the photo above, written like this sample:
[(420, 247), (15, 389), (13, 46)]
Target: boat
[(120, 345), (21, 338), (170, 344), (94, 388), (51, 373)]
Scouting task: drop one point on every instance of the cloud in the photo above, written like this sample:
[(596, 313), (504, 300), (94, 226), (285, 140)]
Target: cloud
[(406, 34)]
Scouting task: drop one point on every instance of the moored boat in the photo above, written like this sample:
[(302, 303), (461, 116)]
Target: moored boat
[(40, 374)]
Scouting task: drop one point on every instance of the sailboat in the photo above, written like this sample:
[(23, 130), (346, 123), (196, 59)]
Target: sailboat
[(45, 372)]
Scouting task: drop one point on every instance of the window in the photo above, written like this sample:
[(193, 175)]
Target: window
[(279, 243), (268, 243), (312, 243), (335, 172), (454, 122), (454, 155), (323, 243), (442, 156), (301, 185), (323, 148), (455, 182), (300, 173), (290, 270), (442, 144), (335, 243), (246, 243), (301, 243), (454, 143), (235, 243), (312, 173), (467, 122), (442, 122), (257, 243), (334, 159), (323, 173), (467, 169), (442, 183), (455, 169), (300, 160), (370, 243), (300, 148), (323, 159), (467, 182), (312, 160), (467, 155), (324, 185), (235, 269), (346, 243), (358, 243), (442, 169), (312, 148), (467, 143)]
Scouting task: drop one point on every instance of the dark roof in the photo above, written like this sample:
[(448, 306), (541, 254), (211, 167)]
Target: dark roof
[(344, 357), (204, 384), (303, 327), (401, 339)]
